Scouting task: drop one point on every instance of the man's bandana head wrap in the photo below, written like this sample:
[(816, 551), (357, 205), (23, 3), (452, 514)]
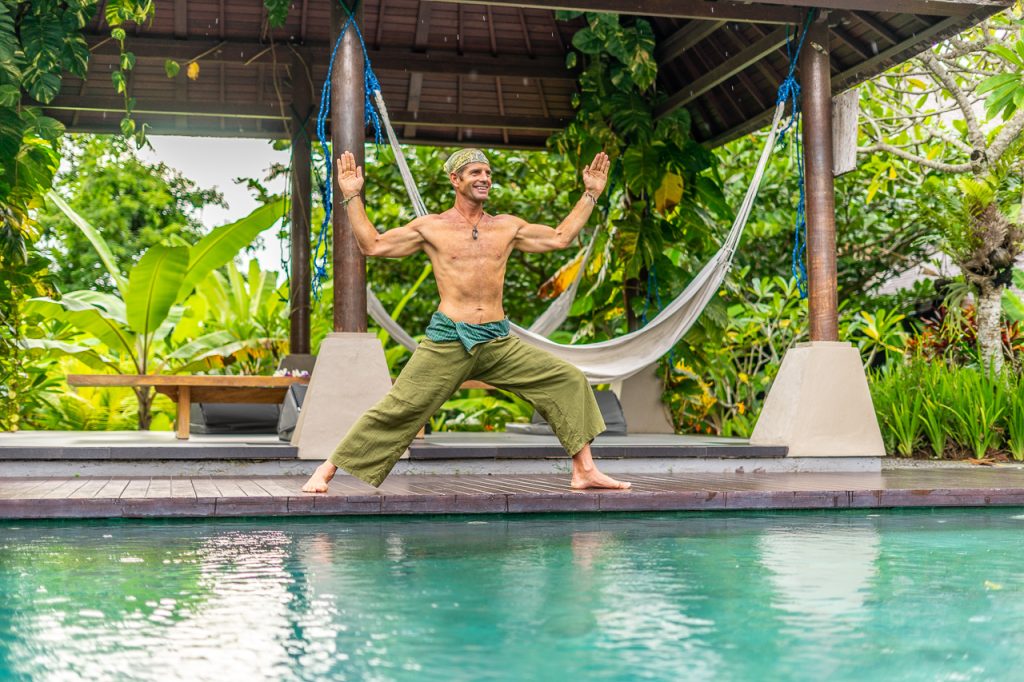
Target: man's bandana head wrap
[(464, 157)]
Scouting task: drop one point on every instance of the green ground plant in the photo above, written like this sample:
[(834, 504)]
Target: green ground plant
[(928, 408), (980, 413), (131, 331)]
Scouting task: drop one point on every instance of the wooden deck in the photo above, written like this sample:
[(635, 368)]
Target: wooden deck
[(72, 498)]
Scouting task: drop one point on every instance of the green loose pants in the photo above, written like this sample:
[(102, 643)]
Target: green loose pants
[(558, 390)]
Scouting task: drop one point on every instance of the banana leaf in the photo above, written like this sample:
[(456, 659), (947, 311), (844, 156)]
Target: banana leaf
[(223, 244), (87, 318), (153, 286), (84, 354), (94, 237)]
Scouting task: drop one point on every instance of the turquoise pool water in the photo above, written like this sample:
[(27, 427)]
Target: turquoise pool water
[(904, 595)]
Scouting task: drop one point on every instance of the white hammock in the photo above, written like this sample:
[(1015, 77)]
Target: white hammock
[(621, 357)]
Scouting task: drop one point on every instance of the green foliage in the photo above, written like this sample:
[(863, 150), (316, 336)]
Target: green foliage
[(481, 411), (721, 374), (1005, 90), (132, 331), (663, 197), (878, 333), (956, 410), (883, 230), (980, 411), (132, 204), (277, 12), (899, 407), (249, 311), (121, 13), (1015, 419)]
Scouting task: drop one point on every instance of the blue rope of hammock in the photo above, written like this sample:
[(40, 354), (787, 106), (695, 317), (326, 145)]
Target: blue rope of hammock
[(789, 91), (370, 85)]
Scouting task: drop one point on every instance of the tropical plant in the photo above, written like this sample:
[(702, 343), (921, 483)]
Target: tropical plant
[(252, 309), (877, 334), (663, 191), (717, 380), (481, 411), (130, 331), (132, 204), (1015, 418), (979, 414), (921, 119)]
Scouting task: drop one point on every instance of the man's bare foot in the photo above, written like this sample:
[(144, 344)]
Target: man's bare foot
[(585, 473), (317, 483), (581, 480)]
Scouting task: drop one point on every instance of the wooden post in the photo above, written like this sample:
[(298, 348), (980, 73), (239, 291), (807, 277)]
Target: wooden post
[(184, 415), (348, 133), (302, 131), (821, 219)]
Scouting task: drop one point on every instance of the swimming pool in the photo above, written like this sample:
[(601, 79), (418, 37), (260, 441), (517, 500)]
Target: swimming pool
[(910, 595)]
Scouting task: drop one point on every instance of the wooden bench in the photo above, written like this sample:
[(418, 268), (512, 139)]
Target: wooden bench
[(186, 389)]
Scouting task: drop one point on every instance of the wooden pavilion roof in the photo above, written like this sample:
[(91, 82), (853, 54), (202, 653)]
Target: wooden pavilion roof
[(494, 74)]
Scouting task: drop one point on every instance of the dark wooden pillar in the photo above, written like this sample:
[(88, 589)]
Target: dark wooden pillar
[(347, 134), (302, 132), (821, 219)]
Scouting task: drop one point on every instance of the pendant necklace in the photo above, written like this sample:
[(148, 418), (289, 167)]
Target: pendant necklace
[(476, 233)]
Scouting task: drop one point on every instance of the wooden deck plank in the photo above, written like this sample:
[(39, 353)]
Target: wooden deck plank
[(159, 487), (275, 487), (60, 490), (228, 488), (205, 487), (136, 489), (430, 494), (89, 489), (21, 488), (182, 487), (113, 489), (251, 488)]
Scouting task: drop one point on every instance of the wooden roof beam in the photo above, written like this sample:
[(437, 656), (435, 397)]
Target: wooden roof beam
[(180, 19), (384, 59), (728, 10), (724, 71), (939, 31), (271, 111), (879, 27), (685, 38), (942, 8), (422, 36)]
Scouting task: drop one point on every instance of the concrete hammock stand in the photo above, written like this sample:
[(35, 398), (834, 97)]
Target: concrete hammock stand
[(185, 389)]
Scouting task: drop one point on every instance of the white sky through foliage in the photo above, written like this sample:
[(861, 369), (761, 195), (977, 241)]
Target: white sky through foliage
[(216, 162)]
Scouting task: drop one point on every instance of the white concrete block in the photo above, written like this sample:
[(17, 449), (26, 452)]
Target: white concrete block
[(820, 405), (640, 396), (351, 374)]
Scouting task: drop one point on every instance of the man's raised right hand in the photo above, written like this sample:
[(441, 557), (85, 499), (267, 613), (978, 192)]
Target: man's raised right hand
[(350, 176)]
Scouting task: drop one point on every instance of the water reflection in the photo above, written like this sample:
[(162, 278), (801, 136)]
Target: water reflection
[(621, 597)]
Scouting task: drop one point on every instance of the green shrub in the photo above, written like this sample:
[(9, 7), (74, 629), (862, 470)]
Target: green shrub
[(1015, 419), (979, 409)]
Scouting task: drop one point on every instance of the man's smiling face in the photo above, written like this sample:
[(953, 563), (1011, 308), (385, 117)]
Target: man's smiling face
[(473, 181)]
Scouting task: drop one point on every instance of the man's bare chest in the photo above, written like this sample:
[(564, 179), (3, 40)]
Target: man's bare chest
[(453, 242)]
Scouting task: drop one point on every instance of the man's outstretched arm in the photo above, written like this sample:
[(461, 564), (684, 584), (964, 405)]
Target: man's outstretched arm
[(401, 241), (540, 238)]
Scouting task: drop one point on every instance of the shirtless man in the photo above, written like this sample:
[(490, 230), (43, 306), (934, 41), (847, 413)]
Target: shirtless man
[(468, 337)]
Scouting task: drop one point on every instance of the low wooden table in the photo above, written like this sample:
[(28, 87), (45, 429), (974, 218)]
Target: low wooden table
[(186, 389)]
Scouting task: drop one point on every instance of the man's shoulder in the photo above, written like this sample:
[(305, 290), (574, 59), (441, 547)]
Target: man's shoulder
[(508, 218)]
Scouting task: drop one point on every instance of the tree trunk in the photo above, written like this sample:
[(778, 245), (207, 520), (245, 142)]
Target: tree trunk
[(990, 331), (145, 397)]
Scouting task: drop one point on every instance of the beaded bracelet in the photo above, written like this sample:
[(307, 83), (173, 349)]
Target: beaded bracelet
[(590, 196), (344, 202)]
